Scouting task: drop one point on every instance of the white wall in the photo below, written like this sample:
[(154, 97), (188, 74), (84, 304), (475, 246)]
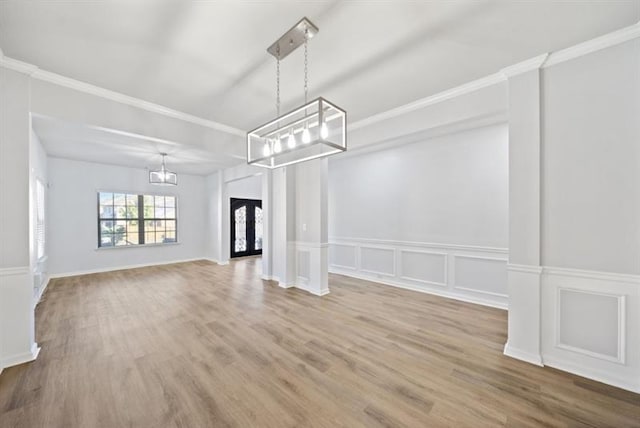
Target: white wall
[(574, 286), (17, 326), (591, 174), (212, 240), (246, 188), (590, 298), (451, 190), (73, 217), (431, 215)]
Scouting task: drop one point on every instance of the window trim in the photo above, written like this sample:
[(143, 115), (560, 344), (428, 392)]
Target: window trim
[(41, 206), (140, 219)]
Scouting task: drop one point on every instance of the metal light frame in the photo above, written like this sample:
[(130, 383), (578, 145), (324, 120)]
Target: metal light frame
[(162, 176), (315, 129), (310, 116)]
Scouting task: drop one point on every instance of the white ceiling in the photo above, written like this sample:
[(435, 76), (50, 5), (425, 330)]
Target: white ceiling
[(93, 144), (209, 59)]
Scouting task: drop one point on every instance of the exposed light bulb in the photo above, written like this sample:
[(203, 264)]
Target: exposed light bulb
[(266, 150), (306, 136), (291, 141), (277, 146), (324, 130)]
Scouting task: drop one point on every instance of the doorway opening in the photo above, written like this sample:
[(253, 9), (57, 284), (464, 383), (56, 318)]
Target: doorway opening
[(246, 227)]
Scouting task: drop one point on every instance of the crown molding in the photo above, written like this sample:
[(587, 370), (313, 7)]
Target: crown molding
[(430, 100), (608, 40), (57, 79), (15, 65), (540, 61), (534, 63)]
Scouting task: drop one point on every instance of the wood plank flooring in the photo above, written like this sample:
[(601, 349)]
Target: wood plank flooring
[(201, 345)]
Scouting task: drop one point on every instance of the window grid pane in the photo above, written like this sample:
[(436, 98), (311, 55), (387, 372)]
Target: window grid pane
[(119, 216)]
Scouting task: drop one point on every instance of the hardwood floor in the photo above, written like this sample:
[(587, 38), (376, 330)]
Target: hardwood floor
[(201, 345)]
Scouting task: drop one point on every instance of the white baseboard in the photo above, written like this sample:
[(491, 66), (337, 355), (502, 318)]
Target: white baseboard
[(591, 373), (216, 261), (25, 357), (303, 288), (116, 268), (441, 293), (322, 293), (42, 290), (310, 291), (285, 285), (519, 354)]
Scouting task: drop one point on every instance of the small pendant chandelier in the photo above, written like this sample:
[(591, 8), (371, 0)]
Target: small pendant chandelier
[(316, 129), (162, 176)]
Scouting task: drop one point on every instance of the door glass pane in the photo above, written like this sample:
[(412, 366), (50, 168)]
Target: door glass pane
[(240, 220), (258, 228)]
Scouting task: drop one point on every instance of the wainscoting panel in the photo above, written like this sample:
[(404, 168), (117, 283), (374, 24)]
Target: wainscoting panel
[(468, 273), (580, 331), (591, 325), (344, 256), (303, 262), (16, 317), (378, 260), (423, 267), (484, 275)]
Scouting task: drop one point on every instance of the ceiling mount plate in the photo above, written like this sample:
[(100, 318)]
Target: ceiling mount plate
[(292, 39)]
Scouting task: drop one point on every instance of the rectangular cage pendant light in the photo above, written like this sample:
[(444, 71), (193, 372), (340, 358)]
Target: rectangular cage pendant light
[(311, 131), (163, 176), (316, 129)]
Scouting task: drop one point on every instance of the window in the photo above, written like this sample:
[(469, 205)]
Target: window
[(40, 219), (128, 219)]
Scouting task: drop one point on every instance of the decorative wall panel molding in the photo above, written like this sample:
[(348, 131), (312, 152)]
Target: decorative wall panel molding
[(377, 260), (477, 274), (425, 267), (303, 260), (344, 256), (12, 271), (590, 324), (603, 338)]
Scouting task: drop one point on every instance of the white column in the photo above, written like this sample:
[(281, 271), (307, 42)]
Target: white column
[(267, 228), (17, 326), (311, 226), (283, 223), (524, 268), (224, 223)]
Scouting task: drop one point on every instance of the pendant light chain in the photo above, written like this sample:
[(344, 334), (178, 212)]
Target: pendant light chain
[(306, 64), (312, 130), (278, 83)]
